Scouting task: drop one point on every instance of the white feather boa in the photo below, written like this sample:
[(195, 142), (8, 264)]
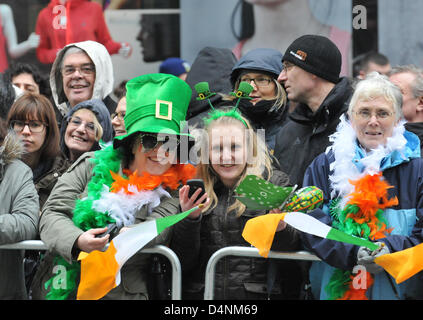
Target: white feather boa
[(344, 148), (123, 207)]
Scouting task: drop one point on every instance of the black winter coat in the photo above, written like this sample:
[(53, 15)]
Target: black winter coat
[(194, 241), (306, 134)]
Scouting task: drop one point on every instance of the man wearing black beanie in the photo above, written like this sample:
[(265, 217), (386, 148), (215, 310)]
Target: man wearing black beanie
[(310, 75)]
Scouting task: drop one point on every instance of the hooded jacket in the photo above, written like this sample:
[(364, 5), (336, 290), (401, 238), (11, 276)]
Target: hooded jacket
[(213, 65), (264, 114), (19, 214), (306, 134), (103, 85), (103, 117), (84, 21)]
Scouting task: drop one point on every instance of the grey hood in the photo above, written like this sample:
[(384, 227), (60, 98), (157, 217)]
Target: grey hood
[(11, 149), (104, 80)]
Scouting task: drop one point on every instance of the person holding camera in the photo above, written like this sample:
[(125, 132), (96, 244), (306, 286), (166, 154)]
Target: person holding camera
[(224, 162), (134, 180)]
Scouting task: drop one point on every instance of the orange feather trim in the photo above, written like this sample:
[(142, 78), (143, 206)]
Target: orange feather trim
[(370, 195), (172, 178), (358, 294)]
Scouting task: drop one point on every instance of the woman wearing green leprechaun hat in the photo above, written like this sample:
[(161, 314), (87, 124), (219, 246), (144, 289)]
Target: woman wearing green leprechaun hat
[(133, 180)]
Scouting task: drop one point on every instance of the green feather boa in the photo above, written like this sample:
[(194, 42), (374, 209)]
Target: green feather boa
[(339, 281), (85, 218)]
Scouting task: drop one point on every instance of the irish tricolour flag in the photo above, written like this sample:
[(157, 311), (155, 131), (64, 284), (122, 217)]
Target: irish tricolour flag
[(260, 231), (100, 270)]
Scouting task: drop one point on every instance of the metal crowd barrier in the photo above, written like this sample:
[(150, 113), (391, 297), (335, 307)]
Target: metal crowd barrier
[(160, 249), (246, 252)]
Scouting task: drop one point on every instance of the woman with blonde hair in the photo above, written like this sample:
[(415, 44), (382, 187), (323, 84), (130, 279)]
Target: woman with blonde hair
[(267, 106), (229, 150)]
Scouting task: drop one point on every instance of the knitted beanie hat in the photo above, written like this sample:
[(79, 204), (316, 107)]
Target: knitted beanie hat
[(317, 55)]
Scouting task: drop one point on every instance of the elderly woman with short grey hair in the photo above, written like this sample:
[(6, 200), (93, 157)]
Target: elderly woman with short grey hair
[(370, 177)]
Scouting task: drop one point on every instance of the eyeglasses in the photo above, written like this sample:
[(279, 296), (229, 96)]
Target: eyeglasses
[(259, 82), (366, 114), (119, 115), (76, 122), (150, 141), (34, 126), (287, 66), (86, 69)]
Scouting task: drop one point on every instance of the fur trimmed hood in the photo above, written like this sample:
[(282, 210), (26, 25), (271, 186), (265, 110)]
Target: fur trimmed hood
[(11, 149)]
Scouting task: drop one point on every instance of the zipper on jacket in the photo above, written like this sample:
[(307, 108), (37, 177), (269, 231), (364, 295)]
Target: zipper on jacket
[(225, 223)]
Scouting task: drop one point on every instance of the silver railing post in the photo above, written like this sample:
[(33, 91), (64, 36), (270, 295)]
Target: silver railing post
[(246, 252), (160, 249)]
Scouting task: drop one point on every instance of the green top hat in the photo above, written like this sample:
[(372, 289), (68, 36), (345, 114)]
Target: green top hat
[(155, 103)]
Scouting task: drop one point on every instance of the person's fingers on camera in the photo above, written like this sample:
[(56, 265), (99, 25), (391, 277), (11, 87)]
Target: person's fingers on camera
[(201, 199), (195, 195)]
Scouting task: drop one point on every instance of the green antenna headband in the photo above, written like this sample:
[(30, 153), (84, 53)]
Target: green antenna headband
[(204, 93)]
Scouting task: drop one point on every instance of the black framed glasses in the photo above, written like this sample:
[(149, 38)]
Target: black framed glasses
[(259, 82), (151, 141), (34, 126), (119, 115)]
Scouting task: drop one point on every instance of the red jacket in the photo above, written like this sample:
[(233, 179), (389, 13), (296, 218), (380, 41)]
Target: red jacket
[(84, 21)]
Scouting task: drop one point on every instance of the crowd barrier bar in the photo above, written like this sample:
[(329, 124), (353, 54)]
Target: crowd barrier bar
[(246, 252), (160, 249)]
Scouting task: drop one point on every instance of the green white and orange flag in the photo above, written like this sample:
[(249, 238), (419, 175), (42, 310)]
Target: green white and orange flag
[(402, 264), (100, 270), (260, 231)]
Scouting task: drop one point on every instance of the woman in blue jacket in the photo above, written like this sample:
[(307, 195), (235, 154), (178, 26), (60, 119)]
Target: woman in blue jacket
[(371, 155)]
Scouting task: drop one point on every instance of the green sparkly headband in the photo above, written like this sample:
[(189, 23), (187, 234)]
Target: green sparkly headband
[(204, 93)]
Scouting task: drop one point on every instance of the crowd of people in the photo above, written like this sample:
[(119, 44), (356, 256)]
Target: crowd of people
[(77, 162)]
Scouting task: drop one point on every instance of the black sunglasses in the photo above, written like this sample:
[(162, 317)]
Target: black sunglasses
[(150, 141)]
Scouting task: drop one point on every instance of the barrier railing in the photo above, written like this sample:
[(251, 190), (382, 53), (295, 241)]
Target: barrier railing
[(246, 252), (159, 249)]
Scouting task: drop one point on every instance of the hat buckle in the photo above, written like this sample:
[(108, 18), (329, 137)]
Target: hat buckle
[(169, 109)]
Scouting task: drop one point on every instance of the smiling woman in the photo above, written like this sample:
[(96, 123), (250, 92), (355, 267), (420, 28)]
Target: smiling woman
[(122, 185), (85, 125), (372, 157), (233, 151)]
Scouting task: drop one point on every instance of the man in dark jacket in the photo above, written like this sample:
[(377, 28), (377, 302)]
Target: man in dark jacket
[(311, 78), (410, 80)]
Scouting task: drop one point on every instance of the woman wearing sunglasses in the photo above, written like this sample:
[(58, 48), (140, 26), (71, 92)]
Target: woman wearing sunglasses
[(135, 180)]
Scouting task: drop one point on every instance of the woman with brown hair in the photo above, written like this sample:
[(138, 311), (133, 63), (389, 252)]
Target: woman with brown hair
[(33, 118)]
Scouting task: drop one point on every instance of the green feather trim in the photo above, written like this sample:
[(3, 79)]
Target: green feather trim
[(85, 218), (63, 284), (338, 284), (339, 281)]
